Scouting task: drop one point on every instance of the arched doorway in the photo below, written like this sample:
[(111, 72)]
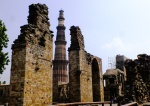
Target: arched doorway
[(95, 81)]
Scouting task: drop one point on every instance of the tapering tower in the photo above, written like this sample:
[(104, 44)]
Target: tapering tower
[(60, 73)]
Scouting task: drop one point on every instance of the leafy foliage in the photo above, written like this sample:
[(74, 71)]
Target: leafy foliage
[(3, 44)]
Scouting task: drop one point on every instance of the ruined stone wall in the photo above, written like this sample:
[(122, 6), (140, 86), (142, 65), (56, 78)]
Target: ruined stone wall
[(17, 76), (80, 79), (31, 72), (120, 59), (74, 76), (81, 70), (85, 78), (100, 77), (114, 84), (138, 79)]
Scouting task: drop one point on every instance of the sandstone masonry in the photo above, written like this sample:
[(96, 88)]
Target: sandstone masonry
[(137, 86), (31, 71), (85, 71)]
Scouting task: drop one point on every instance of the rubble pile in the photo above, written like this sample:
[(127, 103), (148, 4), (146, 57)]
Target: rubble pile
[(137, 86)]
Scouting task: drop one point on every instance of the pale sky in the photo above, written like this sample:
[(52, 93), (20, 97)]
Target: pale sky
[(109, 27)]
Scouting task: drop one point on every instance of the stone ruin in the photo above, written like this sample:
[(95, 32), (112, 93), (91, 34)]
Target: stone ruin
[(137, 86), (85, 74), (32, 53), (135, 83), (31, 71), (85, 71), (114, 84), (114, 80)]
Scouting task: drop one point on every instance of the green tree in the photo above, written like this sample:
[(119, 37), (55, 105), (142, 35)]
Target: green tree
[(3, 44)]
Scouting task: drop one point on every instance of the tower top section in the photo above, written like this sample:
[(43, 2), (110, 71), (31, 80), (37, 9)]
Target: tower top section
[(61, 15), (61, 18)]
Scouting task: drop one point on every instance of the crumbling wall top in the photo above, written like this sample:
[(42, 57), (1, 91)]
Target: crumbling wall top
[(77, 39), (37, 29), (38, 12)]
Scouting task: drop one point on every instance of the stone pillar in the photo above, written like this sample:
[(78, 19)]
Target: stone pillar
[(31, 71), (80, 81)]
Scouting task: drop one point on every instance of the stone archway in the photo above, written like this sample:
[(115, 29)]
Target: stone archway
[(81, 67), (95, 81)]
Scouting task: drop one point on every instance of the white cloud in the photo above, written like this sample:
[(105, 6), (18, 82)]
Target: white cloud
[(117, 45), (130, 48)]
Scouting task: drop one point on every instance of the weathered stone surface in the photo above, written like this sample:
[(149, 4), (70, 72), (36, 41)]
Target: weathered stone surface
[(120, 59), (63, 91), (138, 79), (31, 72), (114, 84), (85, 71)]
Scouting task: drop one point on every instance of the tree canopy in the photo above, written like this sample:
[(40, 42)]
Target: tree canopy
[(3, 44)]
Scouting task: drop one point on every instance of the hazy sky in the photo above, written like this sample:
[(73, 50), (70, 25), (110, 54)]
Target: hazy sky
[(109, 27)]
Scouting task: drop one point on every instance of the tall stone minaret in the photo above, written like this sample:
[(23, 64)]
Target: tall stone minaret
[(60, 73)]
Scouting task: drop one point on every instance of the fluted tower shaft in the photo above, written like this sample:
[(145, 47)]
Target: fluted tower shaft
[(60, 63)]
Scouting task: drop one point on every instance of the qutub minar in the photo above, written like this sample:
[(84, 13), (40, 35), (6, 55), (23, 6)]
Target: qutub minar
[(60, 73)]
